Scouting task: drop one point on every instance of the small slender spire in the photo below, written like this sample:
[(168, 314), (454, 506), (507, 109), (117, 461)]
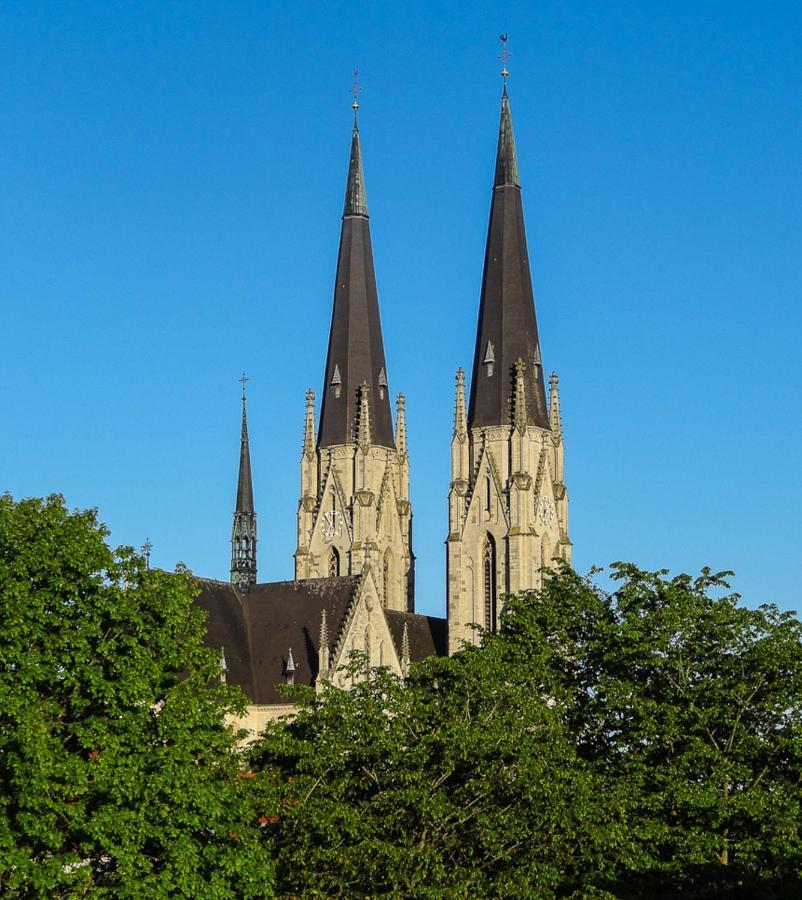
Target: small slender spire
[(245, 482), (363, 419), (555, 420), (520, 419), (147, 547), (243, 532), (405, 660), (323, 648), (289, 669), (356, 198), (460, 415), (309, 425), (401, 425), (223, 666)]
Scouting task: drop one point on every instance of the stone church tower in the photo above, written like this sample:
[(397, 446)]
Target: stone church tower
[(508, 504), (354, 510)]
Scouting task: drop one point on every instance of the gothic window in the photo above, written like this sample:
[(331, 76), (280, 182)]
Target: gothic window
[(487, 495), (489, 579), (334, 563)]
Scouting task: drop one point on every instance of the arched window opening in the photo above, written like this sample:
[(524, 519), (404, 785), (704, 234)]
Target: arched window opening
[(334, 563), (489, 573), (487, 495)]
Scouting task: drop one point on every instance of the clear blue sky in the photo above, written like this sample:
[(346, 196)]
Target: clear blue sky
[(172, 182)]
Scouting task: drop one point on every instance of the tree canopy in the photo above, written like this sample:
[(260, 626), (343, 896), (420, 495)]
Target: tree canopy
[(643, 741), (117, 772), (639, 742)]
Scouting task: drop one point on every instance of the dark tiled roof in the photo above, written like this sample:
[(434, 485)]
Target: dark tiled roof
[(356, 349), (507, 317), (258, 627), (427, 634)]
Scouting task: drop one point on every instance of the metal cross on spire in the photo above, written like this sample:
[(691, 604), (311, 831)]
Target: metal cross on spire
[(504, 56), (243, 380), (356, 90)]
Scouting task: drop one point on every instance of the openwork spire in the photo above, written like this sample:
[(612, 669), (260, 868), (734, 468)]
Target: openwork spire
[(243, 532)]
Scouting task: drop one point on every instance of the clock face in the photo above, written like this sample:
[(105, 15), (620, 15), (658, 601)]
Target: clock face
[(333, 524), (545, 511)]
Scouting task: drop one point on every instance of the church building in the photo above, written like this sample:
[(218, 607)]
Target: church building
[(354, 586)]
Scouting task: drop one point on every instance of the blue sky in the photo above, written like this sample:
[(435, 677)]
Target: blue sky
[(172, 180)]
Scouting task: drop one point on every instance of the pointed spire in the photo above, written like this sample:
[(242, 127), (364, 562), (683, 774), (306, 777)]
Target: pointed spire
[(507, 327), (245, 481), (460, 416), (309, 425), (223, 666), (555, 420), (405, 660), (243, 533), (289, 669), (506, 156), (401, 424), (356, 197), (519, 416), (356, 348), (363, 420), (323, 646)]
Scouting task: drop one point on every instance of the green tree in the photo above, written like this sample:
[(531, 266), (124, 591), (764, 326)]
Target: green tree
[(641, 742), (117, 772)]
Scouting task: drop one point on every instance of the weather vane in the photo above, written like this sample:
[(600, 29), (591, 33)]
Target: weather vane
[(356, 90), (504, 56), (243, 380)]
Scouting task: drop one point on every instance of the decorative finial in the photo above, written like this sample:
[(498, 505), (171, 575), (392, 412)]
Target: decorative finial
[(356, 90), (146, 548), (504, 56), (243, 380)]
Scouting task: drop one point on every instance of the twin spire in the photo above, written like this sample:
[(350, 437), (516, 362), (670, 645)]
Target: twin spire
[(355, 383)]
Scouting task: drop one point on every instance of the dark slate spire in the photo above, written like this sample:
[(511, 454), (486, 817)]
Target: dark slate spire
[(507, 328), (356, 349), (243, 533)]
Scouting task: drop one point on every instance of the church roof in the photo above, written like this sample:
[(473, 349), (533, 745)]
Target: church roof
[(507, 327), (257, 628), (356, 349)]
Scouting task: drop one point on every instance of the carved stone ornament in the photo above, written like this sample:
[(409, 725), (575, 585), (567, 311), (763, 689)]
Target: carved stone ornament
[(545, 511), (365, 498), (333, 525), (522, 481)]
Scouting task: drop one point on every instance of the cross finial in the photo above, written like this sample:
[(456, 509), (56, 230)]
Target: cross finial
[(356, 90), (504, 56), (243, 380), (146, 548)]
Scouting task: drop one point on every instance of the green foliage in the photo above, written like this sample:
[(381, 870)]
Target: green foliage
[(117, 773), (640, 743)]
